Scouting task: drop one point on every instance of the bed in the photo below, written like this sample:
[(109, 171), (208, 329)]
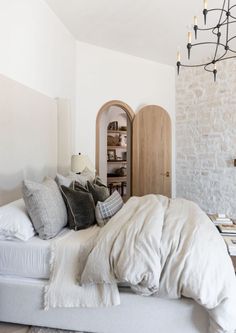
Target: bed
[(24, 267), (24, 272)]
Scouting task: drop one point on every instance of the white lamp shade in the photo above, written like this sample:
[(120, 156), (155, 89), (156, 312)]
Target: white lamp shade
[(80, 162)]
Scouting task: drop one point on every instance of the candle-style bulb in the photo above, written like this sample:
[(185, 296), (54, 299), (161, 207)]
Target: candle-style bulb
[(195, 20), (205, 4), (189, 37), (178, 56)]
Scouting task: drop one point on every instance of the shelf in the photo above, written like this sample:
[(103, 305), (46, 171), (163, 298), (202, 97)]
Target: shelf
[(117, 161), (113, 179), (117, 131), (114, 147)]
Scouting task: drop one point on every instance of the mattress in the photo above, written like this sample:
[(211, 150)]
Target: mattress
[(29, 259), (21, 302)]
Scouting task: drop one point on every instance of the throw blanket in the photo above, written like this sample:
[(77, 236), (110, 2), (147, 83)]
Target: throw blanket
[(159, 246)]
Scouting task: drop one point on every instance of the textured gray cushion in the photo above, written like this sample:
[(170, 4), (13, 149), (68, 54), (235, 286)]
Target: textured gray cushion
[(99, 193), (45, 206), (80, 208), (105, 210)]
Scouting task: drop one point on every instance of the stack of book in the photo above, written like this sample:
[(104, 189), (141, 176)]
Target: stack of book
[(227, 229), (218, 219), (231, 244)]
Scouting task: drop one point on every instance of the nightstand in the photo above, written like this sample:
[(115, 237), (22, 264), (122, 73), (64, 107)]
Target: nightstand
[(227, 238)]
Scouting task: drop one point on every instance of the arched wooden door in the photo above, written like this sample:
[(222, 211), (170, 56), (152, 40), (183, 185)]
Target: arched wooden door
[(151, 159)]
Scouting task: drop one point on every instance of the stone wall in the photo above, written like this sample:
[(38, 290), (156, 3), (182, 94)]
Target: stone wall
[(206, 138)]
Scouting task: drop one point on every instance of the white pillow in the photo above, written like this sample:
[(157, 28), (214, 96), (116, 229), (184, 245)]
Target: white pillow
[(108, 208), (15, 223)]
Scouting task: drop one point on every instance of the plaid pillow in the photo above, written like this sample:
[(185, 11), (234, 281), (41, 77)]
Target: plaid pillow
[(105, 210)]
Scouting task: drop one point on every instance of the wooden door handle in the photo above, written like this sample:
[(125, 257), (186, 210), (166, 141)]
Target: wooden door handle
[(167, 174)]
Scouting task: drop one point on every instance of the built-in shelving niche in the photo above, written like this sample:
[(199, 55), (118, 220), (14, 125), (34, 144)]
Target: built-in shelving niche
[(114, 130)]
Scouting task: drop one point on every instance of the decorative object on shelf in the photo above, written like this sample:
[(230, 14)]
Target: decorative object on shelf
[(111, 154), (113, 140), (113, 126), (123, 128), (121, 171), (80, 162), (123, 140), (124, 155), (222, 37)]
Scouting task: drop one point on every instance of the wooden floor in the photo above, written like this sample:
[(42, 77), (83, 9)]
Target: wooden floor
[(13, 328)]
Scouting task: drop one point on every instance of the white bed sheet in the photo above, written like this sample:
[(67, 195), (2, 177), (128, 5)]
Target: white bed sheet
[(26, 259)]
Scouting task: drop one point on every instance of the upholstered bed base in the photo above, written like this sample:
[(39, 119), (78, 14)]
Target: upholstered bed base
[(21, 302)]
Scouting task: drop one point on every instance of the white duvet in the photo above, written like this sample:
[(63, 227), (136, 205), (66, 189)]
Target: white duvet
[(158, 246)]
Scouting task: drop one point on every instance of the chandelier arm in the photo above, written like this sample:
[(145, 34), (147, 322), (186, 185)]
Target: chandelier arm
[(223, 10), (232, 16), (216, 50), (208, 70), (222, 24), (199, 65), (206, 29), (232, 7), (231, 38), (221, 57), (233, 51), (217, 9), (225, 23), (207, 43), (231, 57), (215, 27)]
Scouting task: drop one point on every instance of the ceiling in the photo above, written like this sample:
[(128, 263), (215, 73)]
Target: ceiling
[(151, 29)]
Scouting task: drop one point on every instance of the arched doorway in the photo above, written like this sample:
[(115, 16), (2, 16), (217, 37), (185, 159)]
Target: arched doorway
[(114, 146)]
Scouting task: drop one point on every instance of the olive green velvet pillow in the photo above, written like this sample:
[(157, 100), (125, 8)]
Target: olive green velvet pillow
[(80, 208)]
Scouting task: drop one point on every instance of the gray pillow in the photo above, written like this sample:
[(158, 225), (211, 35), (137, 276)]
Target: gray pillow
[(99, 193), (80, 208), (45, 206)]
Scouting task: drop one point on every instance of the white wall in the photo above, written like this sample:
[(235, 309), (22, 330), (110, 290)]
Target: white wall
[(28, 137), (104, 75), (36, 48)]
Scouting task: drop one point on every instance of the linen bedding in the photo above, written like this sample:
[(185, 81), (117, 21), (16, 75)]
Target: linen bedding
[(160, 247)]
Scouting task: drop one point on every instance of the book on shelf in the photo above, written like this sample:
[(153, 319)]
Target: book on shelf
[(227, 229), (220, 219), (231, 244)]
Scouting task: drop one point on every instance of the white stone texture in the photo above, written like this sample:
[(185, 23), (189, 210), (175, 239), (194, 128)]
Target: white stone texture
[(206, 137)]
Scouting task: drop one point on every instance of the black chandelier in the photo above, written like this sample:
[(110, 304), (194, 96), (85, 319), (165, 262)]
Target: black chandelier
[(221, 43)]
